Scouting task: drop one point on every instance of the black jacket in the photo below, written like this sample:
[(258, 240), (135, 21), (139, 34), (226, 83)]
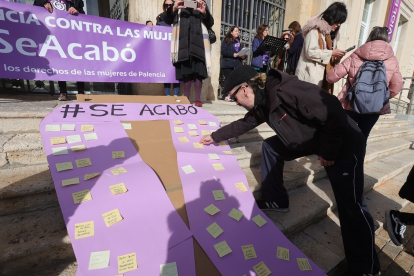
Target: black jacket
[(77, 4), (407, 190), (164, 20), (228, 60), (304, 116), (191, 35)]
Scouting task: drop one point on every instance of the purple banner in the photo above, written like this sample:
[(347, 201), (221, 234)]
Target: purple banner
[(36, 44), (392, 18)]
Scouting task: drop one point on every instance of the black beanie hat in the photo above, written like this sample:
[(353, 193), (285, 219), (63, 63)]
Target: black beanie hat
[(239, 75)]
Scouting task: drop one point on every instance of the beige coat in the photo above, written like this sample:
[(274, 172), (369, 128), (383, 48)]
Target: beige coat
[(312, 61)]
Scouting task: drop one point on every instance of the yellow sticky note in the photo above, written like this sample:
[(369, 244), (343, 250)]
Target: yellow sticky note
[(192, 126), (202, 122), (169, 269), (236, 214), (52, 127), (228, 152), (73, 139), (222, 144), (99, 260), (259, 220), (178, 130), (118, 154), (214, 230), (64, 166), (68, 127), (90, 136), (118, 189), (218, 167), (241, 186), (193, 133), (178, 122), (118, 171), (112, 217), (86, 128), (213, 156), (213, 124), (127, 126), (84, 229), (71, 181), (81, 196), (198, 146), (90, 176), (77, 148), (218, 195), (85, 162), (261, 269), (188, 169), (304, 264), (60, 151), (57, 140), (222, 248), (205, 132), (127, 263), (183, 139), (211, 209), (249, 252), (283, 253)]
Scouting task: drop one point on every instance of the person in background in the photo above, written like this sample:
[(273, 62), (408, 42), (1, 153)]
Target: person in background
[(283, 56), (190, 45), (164, 20), (375, 48), (260, 58), (73, 7), (229, 50), (319, 53), (149, 23), (295, 48), (395, 221)]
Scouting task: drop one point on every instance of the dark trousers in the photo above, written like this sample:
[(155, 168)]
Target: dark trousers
[(226, 73), (347, 180), (365, 122), (407, 192), (63, 89)]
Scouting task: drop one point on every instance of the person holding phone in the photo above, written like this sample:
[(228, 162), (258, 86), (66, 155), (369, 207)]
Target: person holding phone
[(375, 48), (319, 54), (229, 50), (190, 52)]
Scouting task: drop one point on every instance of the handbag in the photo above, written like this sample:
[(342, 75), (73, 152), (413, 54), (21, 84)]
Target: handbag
[(212, 36)]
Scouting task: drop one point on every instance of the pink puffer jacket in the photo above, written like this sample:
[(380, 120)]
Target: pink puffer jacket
[(374, 50)]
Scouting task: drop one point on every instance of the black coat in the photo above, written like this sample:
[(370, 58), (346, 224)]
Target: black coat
[(304, 116), (191, 41), (228, 60), (164, 20), (295, 50), (77, 4)]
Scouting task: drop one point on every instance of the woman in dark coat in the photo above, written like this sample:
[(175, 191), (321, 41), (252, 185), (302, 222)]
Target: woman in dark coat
[(229, 50), (296, 48), (190, 64), (164, 20), (260, 58)]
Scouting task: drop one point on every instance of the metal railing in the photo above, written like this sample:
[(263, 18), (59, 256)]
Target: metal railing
[(401, 106)]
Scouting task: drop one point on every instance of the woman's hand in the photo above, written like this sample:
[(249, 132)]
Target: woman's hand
[(72, 11), (178, 5), (48, 7), (338, 53), (206, 140), (235, 55), (201, 7)]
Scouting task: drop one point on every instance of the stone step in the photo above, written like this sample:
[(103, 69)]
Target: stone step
[(322, 241)]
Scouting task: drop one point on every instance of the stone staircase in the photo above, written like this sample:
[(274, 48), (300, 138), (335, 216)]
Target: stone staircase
[(33, 237)]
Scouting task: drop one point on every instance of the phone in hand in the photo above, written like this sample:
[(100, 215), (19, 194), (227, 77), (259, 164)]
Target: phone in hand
[(350, 48), (190, 4)]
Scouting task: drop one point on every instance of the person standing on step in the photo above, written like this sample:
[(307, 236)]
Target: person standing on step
[(229, 51), (375, 49), (319, 53), (164, 20), (260, 58), (73, 7), (190, 45), (397, 221), (307, 120)]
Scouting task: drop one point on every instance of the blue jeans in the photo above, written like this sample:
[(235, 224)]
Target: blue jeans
[(167, 88)]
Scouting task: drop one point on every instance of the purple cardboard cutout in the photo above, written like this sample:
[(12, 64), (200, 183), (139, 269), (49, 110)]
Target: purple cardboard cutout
[(35, 44), (155, 234)]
